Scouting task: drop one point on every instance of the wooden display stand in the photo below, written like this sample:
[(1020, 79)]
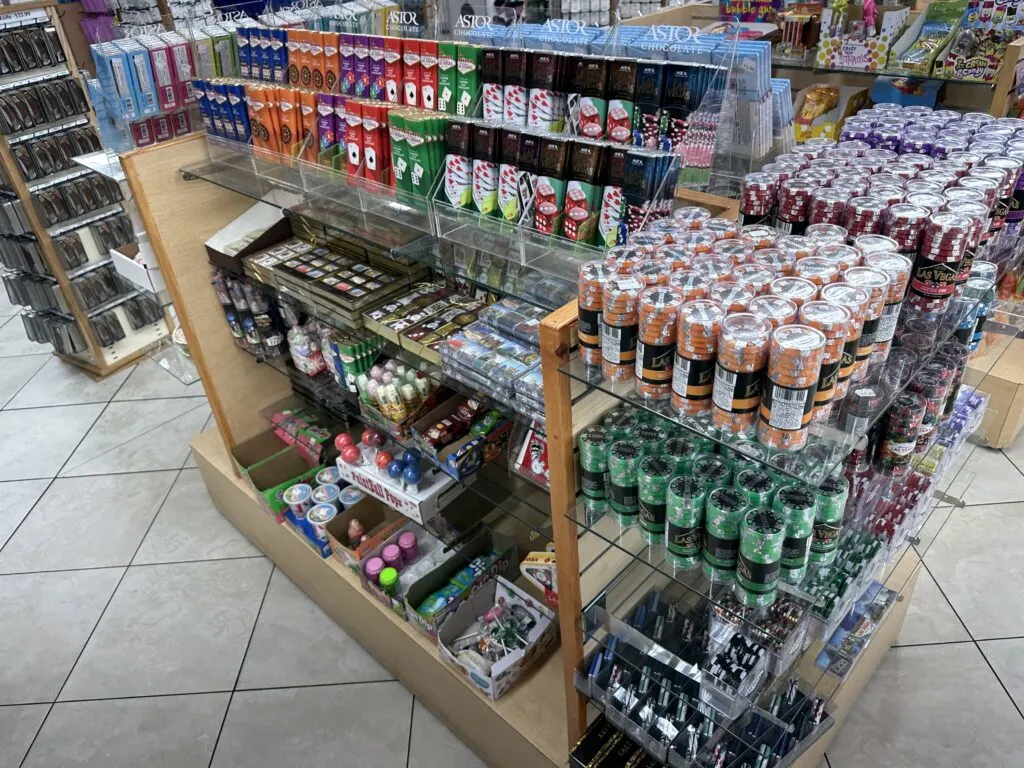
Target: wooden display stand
[(535, 724), (94, 360)]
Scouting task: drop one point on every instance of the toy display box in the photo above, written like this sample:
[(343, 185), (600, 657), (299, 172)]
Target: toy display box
[(850, 50), (821, 109), (504, 672)]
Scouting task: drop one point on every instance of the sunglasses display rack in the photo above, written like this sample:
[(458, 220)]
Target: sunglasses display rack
[(59, 220)]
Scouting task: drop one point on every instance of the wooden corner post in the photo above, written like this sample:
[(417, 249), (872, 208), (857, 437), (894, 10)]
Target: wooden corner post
[(556, 331)]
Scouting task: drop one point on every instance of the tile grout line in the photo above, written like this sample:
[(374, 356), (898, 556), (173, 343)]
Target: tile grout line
[(56, 475), (100, 474), (150, 565), (973, 640), (941, 642), (136, 437), (828, 762), (299, 686), (408, 743), (241, 666), (29, 381), (90, 402), (110, 599)]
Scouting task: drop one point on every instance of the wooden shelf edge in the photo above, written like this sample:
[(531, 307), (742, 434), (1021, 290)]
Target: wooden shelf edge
[(523, 728)]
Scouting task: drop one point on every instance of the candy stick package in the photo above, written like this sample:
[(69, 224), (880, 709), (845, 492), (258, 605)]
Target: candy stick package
[(447, 76), (308, 118), (332, 62), (509, 203), (327, 135), (467, 79), (621, 98), (392, 70), (583, 190), (399, 150), (411, 73), (650, 83), (347, 54), (546, 105), (493, 94), (458, 165), (354, 136), (361, 47), (485, 168), (610, 224), (317, 63), (428, 74), (377, 68), (515, 64), (529, 157), (550, 190), (587, 81)]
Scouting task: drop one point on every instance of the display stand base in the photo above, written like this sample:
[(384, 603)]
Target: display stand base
[(526, 727)]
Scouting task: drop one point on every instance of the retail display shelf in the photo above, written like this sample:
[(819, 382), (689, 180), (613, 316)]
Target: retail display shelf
[(829, 444), (811, 65), (21, 79), (57, 178), (46, 130)]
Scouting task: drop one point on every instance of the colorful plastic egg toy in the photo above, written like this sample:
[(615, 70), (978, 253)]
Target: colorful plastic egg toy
[(395, 469), (350, 454)]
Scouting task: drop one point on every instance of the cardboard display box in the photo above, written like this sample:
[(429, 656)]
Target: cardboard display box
[(420, 504), (259, 227), (847, 51), (483, 543), (271, 477), (466, 455), (506, 671), (851, 100), (379, 522), (1003, 381)]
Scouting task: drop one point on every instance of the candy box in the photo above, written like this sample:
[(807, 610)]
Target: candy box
[(918, 48), (486, 555), (468, 453), (503, 673), (271, 477), (379, 523), (850, 51), (811, 122)]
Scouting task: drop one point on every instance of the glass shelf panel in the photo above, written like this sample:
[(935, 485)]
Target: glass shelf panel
[(829, 444), (810, 65)]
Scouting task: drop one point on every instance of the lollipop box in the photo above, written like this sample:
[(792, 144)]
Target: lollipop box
[(504, 672), (422, 503), (849, 50)]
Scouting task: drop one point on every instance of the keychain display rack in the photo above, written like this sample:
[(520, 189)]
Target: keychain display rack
[(63, 219)]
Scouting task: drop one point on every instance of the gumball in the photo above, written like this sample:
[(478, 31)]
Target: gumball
[(391, 365), (412, 476), (371, 438), (376, 372), (395, 469), (387, 377), (411, 458), (383, 459), (350, 454), (342, 440)]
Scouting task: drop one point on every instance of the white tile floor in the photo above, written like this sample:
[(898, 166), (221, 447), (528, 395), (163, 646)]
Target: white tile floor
[(139, 628)]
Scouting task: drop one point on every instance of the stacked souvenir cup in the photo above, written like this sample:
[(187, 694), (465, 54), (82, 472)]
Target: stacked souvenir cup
[(798, 505), (787, 402), (897, 267), (723, 514), (658, 310), (762, 538), (876, 284), (653, 474), (742, 357), (855, 300), (594, 442), (799, 290), (693, 369), (592, 278), (943, 247), (620, 315), (685, 520), (834, 322)]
